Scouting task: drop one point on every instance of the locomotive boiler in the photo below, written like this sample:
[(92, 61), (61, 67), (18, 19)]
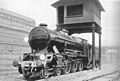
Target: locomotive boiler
[(54, 53)]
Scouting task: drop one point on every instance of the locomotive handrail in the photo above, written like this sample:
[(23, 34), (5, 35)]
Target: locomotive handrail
[(76, 51)]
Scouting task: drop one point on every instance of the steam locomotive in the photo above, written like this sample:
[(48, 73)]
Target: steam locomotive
[(54, 53)]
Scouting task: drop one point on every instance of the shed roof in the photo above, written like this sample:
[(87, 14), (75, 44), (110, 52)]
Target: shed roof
[(63, 2), (100, 5)]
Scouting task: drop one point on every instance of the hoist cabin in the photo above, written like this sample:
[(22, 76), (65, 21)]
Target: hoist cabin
[(78, 11)]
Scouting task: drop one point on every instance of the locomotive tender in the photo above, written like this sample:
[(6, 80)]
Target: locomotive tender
[(54, 53)]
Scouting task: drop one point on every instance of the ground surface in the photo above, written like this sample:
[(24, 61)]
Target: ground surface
[(107, 73)]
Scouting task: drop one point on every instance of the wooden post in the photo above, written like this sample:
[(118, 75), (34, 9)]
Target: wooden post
[(100, 50), (93, 46)]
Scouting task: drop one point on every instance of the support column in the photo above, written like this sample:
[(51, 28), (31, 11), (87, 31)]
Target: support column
[(93, 46), (100, 50)]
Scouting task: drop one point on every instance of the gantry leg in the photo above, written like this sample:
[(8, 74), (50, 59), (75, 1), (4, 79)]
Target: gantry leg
[(93, 46), (100, 50)]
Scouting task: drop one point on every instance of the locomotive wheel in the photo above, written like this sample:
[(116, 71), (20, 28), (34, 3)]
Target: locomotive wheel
[(80, 66), (46, 73), (96, 65), (67, 68), (89, 66), (41, 73), (74, 67), (57, 71), (26, 75)]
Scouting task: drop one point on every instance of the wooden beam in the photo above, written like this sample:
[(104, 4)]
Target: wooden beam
[(93, 46), (100, 50), (79, 27)]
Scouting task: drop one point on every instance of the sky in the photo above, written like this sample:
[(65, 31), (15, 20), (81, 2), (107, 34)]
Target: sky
[(42, 12)]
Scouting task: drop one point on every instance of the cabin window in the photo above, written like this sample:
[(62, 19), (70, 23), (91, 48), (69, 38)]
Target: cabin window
[(75, 10)]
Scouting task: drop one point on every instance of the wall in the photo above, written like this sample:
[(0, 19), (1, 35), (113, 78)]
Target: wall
[(97, 14), (13, 28), (111, 55), (88, 14)]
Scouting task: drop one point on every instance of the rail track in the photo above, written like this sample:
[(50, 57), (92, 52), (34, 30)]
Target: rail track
[(80, 76), (113, 76)]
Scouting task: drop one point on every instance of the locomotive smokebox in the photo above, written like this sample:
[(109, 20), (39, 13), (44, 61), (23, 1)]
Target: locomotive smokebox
[(38, 38)]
